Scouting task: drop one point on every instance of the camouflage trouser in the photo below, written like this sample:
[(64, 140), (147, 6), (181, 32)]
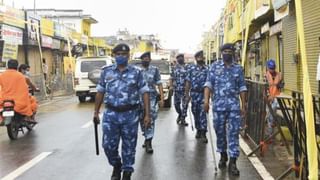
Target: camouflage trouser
[(270, 119), (200, 117), (180, 104), (148, 133), (124, 126), (230, 121)]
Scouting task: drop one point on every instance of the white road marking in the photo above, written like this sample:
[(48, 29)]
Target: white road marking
[(255, 161), (90, 123), (26, 166)]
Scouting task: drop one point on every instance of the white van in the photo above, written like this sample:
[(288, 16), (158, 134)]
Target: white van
[(87, 74)]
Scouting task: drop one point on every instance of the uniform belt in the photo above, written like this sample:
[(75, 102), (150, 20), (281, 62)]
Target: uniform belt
[(197, 90), (122, 108)]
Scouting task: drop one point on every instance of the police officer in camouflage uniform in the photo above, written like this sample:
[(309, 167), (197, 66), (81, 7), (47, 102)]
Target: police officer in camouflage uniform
[(152, 77), (196, 78), (177, 83), (122, 85), (226, 81)]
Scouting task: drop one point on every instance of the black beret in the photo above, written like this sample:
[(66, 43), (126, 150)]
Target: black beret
[(146, 54), (199, 53), (180, 55), (120, 47), (227, 46)]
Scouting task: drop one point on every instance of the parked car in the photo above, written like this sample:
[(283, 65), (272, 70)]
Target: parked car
[(87, 74)]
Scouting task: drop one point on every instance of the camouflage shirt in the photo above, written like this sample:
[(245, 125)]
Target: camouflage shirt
[(122, 88), (226, 83)]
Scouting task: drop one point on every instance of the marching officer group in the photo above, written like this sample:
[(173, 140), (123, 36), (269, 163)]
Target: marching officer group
[(133, 95)]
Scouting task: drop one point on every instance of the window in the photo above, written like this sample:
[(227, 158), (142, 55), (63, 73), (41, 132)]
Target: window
[(88, 66)]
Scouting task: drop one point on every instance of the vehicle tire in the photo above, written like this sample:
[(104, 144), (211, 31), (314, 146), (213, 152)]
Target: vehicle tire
[(82, 98), (30, 126), (167, 103), (13, 130)]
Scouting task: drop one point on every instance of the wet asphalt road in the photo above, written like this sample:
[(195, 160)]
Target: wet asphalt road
[(177, 154)]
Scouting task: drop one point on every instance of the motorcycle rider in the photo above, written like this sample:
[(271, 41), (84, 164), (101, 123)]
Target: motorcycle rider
[(25, 70), (14, 87)]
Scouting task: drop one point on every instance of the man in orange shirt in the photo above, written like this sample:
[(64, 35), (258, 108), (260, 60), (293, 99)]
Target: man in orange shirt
[(273, 79), (14, 87)]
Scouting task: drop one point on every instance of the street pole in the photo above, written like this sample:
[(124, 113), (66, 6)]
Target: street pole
[(34, 6)]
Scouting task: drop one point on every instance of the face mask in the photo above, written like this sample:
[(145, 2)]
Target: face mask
[(227, 58), (145, 63), (180, 61), (200, 62), (27, 73), (121, 60)]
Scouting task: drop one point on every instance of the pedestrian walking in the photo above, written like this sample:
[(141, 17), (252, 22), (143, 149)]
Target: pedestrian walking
[(45, 69), (152, 77), (226, 82), (120, 88), (195, 81), (177, 84)]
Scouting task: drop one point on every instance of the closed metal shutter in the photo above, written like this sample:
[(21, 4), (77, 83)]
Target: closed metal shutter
[(291, 71), (273, 48), (311, 18)]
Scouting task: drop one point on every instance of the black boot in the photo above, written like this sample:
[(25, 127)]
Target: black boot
[(116, 173), (223, 160), (233, 167), (179, 119), (183, 121), (144, 144), (198, 134), (203, 137), (148, 144), (126, 175)]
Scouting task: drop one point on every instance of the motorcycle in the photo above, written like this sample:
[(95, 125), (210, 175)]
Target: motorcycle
[(14, 121)]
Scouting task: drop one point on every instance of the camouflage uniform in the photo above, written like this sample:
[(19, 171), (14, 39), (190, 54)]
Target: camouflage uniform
[(121, 88), (226, 85), (197, 75), (153, 78), (178, 76)]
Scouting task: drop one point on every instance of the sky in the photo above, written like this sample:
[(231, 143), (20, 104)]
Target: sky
[(179, 23)]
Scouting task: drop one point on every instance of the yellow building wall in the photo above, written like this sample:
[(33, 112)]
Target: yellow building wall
[(86, 28), (232, 22), (144, 46)]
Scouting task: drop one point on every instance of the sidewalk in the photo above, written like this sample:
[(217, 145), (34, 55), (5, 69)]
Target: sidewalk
[(276, 158)]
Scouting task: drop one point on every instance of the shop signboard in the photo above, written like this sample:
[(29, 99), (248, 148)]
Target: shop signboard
[(46, 41), (33, 27), (11, 35), (262, 7), (281, 9), (265, 28), (276, 28), (56, 44), (12, 16), (47, 27), (10, 51)]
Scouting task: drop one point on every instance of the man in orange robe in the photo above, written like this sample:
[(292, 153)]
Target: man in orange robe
[(14, 87)]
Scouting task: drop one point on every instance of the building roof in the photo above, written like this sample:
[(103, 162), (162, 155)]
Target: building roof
[(64, 13)]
